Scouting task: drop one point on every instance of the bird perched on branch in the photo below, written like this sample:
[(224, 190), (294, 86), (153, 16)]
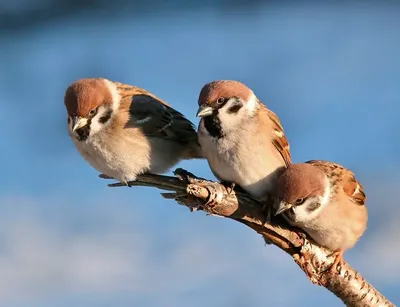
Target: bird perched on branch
[(241, 138), (326, 201), (124, 131)]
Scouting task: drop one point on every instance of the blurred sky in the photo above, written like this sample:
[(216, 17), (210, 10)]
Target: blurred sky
[(330, 71)]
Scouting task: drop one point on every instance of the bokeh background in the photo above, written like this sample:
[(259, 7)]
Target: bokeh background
[(330, 70)]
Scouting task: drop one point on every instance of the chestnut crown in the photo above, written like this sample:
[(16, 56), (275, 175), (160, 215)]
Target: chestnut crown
[(85, 95), (300, 181)]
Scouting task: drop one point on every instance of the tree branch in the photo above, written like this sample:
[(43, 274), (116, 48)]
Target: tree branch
[(188, 190)]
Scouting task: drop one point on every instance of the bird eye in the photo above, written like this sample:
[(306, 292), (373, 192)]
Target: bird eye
[(93, 111), (299, 201), (220, 100)]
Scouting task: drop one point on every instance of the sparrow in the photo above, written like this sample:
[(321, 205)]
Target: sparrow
[(241, 138), (326, 201), (124, 131)]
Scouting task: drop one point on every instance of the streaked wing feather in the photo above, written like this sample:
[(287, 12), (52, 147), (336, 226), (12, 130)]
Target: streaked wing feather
[(163, 121), (154, 116), (352, 188), (280, 141)]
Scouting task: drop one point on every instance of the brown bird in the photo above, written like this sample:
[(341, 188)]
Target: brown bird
[(124, 131), (241, 138), (326, 201)]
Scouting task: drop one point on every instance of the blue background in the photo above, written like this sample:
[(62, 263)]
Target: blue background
[(330, 71)]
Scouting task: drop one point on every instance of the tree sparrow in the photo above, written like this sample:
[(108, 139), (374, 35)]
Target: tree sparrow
[(326, 201), (242, 140), (124, 131)]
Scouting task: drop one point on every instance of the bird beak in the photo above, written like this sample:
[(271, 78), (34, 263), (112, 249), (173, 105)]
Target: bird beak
[(204, 111), (283, 206), (78, 122)]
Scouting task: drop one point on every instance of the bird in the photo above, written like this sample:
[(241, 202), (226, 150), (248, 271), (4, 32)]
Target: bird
[(124, 131), (326, 201), (242, 140)]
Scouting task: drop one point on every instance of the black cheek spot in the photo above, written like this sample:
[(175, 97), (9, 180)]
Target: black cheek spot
[(235, 108), (69, 120), (313, 206), (105, 118), (213, 126)]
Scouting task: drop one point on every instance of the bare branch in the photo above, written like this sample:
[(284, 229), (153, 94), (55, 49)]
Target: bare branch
[(193, 192)]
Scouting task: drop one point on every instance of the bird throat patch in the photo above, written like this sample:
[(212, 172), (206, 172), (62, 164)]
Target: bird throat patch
[(213, 125), (83, 133)]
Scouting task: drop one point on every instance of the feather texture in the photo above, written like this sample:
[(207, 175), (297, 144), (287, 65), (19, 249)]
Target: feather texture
[(127, 130)]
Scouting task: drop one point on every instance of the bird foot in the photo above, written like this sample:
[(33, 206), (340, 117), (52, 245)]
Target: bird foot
[(127, 184), (186, 176), (300, 233), (339, 261)]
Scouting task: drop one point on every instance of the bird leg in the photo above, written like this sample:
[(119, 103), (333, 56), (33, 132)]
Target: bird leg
[(127, 184), (338, 261)]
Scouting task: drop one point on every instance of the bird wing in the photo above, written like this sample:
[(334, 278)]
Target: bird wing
[(350, 185), (154, 117), (278, 137)]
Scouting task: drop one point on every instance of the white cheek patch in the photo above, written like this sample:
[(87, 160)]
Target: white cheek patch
[(327, 194), (303, 215), (116, 98), (96, 125), (228, 121), (252, 104)]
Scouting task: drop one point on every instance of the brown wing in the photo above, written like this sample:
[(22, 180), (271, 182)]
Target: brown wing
[(155, 117), (352, 188), (279, 139)]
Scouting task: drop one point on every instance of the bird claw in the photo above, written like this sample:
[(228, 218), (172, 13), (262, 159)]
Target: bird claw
[(186, 176), (301, 234), (127, 184), (339, 262)]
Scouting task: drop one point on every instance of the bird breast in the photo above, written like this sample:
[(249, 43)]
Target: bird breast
[(121, 157), (338, 227), (243, 159)]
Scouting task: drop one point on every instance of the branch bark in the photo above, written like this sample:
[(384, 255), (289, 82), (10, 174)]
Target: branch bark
[(193, 192)]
